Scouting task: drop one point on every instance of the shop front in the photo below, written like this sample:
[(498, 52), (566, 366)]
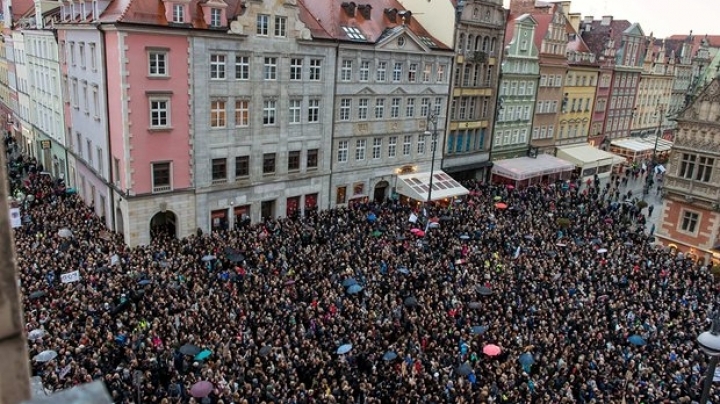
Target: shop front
[(51, 155), (527, 171)]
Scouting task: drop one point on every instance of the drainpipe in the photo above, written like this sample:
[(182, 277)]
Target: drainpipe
[(110, 165), (332, 135)]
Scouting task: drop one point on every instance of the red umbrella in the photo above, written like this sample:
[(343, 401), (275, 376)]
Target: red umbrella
[(510, 187), (501, 205), (419, 233), (415, 231), (492, 350), (201, 389)]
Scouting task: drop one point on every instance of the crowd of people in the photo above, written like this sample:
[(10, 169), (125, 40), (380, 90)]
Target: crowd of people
[(549, 294)]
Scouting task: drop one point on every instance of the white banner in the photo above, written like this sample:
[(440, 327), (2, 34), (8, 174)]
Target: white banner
[(70, 277), (413, 218), (15, 219)]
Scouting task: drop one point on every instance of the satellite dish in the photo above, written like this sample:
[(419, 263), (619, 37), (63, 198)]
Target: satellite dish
[(236, 27)]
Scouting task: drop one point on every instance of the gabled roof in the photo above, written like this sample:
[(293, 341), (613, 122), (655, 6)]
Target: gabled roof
[(152, 12), (543, 25), (598, 35), (510, 26), (327, 19)]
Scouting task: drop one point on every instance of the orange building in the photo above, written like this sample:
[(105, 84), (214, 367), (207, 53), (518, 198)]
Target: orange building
[(691, 211)]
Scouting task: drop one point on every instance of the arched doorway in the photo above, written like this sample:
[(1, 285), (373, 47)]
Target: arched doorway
[(119, 221), (163, 225), (380, 192)]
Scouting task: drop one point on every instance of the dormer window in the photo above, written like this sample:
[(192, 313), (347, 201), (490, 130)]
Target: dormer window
[(83, 13), (215, 17), (95, 11), (214, 13), (178, 13)]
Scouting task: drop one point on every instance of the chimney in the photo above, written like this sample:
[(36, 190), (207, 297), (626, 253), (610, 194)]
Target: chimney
[(365, 10), (606, 20), (588, 19), (405, 16), (391, 14), (349, 8)]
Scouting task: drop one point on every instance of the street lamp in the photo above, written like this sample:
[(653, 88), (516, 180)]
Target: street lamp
[(651, 168), (709, 342), (431, 118)]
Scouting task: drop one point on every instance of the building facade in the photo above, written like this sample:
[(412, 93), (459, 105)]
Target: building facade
[(391, 75), (620, 48), (519, 80), (480, 30), (22, 113), (262, 118), (654, 93), (691, 210)]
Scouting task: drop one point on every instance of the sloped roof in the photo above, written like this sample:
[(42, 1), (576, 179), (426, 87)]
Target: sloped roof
[(510, 26), (599, 34), (152, 12), (713, 40), (332, 22), (543, 25)]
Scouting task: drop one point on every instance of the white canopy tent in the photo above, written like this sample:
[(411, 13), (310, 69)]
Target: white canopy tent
[(523, 168), (590, 159), (417, 185)]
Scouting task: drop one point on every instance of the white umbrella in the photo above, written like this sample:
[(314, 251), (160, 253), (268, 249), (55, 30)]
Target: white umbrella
[(602, 250), (45, 356), (65, 233), (36, 334)]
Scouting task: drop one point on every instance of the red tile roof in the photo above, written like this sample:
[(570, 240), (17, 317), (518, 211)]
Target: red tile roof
[(510, 29), (543, 25), (713, 40), (599, 34), (331, 18), (152, 12)]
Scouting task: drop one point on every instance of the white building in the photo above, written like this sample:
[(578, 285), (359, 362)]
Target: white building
[(22, 112)]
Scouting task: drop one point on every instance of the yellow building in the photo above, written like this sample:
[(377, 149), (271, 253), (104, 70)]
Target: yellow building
[(578, 93), (654, 93)]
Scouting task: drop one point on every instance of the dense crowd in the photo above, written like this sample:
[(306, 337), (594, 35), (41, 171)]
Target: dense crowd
[(563, 279)]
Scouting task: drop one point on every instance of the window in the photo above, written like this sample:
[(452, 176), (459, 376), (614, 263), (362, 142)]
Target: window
[(427, 72), (293, 162), (89, 151), (312, 158), (242, 166), (81, 51), (424, 107), (412, 72), (380, 71), (441, 74), (438, 106), (379, 108), (295, 108), (268, 163), (364, 72), (345, 109), (263, 23), (157, 62), (178, 13), (93, 57), (296, 69), (281, 26), (421, 145), (407, 142), (269, 112), (161, 177), (100, 160), (217, 114), (314, 110), (215, 17), (704, 169), (395, 108), (315, 69), (687, 166), (342, 155), (363, 109), (159, 113), (397, 72), (392, 146), (219, 170), (689, 222), (270, 71), (410, 107), (377, 148), (96, 101), (242, 113), (346, 70), (242, 68), (530, 88), (360, 146), (340, 195), (217, 67)]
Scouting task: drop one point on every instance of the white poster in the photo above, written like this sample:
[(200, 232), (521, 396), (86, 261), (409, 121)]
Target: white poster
[(15, 220), (413, 218), (70, 277)]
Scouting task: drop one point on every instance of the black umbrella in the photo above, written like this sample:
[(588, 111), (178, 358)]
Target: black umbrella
[(38, 294), (64, 246), (474, 305), (400, 238), (445, 218), (483, 290), (235, 258), (264, 351), (230, 250), (464, 370), (190, 350), (411, 301)]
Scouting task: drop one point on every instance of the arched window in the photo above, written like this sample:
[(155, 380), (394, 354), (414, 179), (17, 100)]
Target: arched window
[(469, 45), (493, 43), (476, 12), (486, 43), (461, 43), (478, 39)]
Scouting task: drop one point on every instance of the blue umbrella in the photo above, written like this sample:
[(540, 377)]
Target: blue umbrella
[(343, 349), (389, 356), (349, 282), (204, 354), (479, 329), (464, 237), (636, 340), (403, 270), (371, 217), (144, 282), (526, 359), (354, 289)]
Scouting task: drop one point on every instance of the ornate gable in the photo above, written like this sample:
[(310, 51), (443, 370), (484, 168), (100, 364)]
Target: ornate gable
[(275, 12), (401, 38), (706, 106)]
